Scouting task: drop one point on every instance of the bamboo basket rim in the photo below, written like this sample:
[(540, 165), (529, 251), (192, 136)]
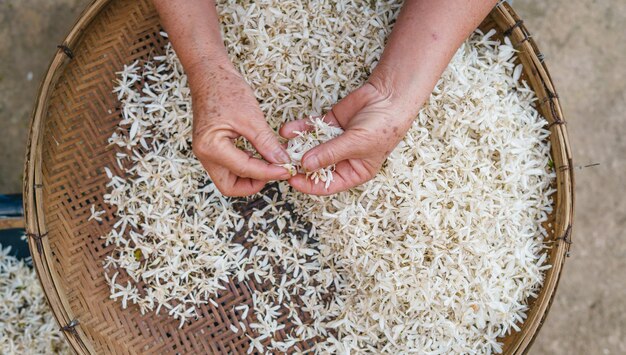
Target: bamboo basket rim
[(534, 68)]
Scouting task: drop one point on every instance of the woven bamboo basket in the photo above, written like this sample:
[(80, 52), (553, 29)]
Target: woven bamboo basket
[(76, 112)]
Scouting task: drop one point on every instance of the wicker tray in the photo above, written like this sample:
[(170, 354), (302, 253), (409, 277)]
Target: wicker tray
[(76, 112)]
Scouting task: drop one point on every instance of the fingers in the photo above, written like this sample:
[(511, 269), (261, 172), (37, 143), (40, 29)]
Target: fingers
[(344, 147), (265, 142), (231, 185), (347, 175), (225, 154), (289, 129), (243, 165)]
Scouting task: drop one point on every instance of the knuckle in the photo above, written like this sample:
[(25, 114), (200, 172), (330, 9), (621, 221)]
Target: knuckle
[(204, 143), (362, 143), (240, 170), (202, 149), (360, 135), (343, 148), (264, 139), (329, 157)]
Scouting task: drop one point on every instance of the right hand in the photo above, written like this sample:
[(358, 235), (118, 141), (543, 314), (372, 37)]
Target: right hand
[(224, 109)]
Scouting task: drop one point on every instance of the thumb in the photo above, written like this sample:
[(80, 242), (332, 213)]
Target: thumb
[(265, 141), (332, 152)]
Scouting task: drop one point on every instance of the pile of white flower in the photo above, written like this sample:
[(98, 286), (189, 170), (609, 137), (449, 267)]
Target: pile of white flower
[(439, 253), (27, 325)]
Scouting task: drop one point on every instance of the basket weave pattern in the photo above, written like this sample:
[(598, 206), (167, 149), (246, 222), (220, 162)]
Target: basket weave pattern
[(74, 116)]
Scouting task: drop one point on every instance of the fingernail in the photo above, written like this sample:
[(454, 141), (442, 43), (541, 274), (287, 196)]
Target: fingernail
[(282, 157), (311, 163)]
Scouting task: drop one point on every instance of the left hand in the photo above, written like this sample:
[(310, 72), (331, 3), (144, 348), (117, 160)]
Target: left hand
[(374, 119)]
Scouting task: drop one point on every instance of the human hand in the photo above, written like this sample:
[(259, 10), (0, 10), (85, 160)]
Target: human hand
[(374, 118), (224, 109)]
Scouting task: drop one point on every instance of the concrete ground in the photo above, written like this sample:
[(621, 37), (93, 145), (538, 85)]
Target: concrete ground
[(584, 43)]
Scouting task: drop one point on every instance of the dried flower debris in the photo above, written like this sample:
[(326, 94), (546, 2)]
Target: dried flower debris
[(27, 325), (439, 253), (95, 215)]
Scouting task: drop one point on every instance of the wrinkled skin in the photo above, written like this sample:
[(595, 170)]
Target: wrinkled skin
[(225, 109), (374, 119)]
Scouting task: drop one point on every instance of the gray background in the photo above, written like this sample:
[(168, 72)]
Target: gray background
[(584, 42)]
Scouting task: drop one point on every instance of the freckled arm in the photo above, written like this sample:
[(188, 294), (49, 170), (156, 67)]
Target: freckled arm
[(424, 39), (224, 105), (193, 27), (377, 115)]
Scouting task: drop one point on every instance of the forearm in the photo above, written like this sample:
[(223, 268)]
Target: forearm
[(424, 39), (193, 27)]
